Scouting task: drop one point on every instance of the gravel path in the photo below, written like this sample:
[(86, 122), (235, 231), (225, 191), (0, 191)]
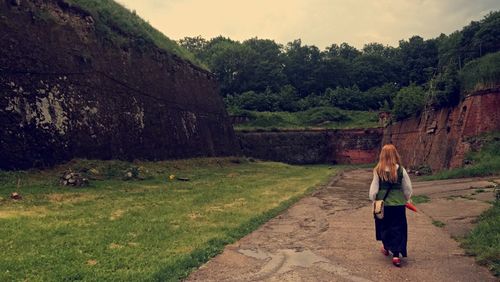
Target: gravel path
[(329, 236)]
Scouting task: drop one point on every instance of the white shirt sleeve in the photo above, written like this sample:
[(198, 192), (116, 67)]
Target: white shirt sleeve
[(406, 183), (374, 187)]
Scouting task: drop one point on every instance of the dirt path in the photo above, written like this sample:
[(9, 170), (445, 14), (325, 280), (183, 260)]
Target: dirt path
[(329, 236)]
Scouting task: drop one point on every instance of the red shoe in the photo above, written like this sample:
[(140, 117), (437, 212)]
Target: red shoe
[(396, 261), (384, 251)]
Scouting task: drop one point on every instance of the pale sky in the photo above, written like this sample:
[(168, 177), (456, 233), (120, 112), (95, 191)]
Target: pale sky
[(316, 22)]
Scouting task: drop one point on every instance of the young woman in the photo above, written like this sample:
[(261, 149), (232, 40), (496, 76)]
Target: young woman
[(392, 230)]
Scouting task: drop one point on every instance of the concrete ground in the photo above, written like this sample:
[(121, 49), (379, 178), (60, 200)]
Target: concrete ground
[(329, 236)]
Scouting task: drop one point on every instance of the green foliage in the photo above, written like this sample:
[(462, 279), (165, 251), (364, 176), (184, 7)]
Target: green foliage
[(284, 100), (272, 119), (438, 223), (373, 70), (301, 66), (345, 77), (419, 58), (484, 240), (346, 98), (409, 101), (485, 162), (155, 229), (481, 73), (445, 88), (323, 117), (381, 97), (119, 25)]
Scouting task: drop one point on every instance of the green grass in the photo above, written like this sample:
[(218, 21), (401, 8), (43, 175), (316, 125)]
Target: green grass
[(484, 240), (420, 199), (268, 121), (154, 229), (485, 162), (118, 24), (438, 223), (481, 73)]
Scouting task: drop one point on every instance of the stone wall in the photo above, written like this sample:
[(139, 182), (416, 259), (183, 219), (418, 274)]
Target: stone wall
[(311, 147), (66, 92), (440, 138)]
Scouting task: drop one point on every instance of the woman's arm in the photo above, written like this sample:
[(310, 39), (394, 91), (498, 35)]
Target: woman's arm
[(374, 187), (406, 183)]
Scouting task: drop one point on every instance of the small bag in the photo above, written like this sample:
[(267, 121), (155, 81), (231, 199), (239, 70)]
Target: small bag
[(378, 205), (378, 209)]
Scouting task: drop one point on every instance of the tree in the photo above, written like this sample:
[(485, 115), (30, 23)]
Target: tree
[(381, 97), (409, 100), (350, 98), (344, 51), (232, 63), (419, 58), (374, 70), (301, 64), (267, 71), (196, 45)]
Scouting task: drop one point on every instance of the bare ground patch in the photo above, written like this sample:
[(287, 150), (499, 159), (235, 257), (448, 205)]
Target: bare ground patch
[(30, 212), (70, 197), (116, 214)]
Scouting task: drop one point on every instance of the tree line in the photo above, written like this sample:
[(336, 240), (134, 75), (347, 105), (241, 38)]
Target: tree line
[(263, 75)]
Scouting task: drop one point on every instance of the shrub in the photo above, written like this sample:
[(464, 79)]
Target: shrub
[(481, 73), (271, 119), (323, 114), (445, 88), (346, 98), (409, 101)]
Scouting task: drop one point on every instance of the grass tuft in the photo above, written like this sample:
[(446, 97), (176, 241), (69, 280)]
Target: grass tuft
[(438, 223), (484, 240)]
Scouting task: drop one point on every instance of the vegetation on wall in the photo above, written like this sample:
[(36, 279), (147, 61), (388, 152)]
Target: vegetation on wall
[(482, 73), (482, 160), (117, 24)]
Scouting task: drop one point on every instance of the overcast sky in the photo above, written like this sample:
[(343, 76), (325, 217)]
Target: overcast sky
[(317, 22)]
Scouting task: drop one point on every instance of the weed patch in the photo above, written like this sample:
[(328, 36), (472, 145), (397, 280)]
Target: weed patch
[(484, 240), (438, 223)]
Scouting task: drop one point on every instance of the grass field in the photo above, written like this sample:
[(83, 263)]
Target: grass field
[(302, 120), (151, 229)]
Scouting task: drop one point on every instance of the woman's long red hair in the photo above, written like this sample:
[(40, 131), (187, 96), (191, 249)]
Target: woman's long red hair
[(388, 159)]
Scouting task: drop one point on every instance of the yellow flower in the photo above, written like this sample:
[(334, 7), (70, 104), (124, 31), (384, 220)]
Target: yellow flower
[(171, 177)]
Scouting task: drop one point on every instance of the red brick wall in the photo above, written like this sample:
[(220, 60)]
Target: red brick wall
[(350, 146), (439, 138)]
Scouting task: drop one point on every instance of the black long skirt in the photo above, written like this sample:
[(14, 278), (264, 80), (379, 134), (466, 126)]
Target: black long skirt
[(392, 230)]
